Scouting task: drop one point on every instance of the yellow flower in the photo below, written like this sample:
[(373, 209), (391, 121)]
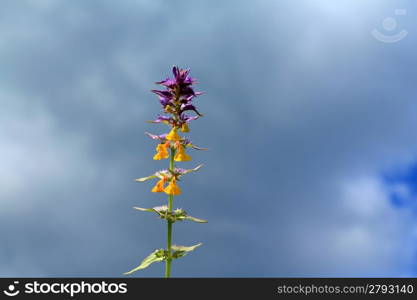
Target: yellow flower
[(162, 152), (172, 188), (184, 128), (181, 155), (173, 135), (159, 187)]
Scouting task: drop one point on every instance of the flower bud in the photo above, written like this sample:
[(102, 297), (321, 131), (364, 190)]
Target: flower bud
[(184, 128), (173, 135)]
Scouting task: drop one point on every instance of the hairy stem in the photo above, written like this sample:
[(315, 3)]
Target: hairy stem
[(169, 232)]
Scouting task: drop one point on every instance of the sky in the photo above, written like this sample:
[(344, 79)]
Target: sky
[(309, 117)]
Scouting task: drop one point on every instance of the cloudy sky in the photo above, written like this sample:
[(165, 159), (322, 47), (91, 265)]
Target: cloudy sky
[(310, 120)]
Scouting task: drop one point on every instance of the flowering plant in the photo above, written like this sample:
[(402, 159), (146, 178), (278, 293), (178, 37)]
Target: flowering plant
[(176, 99)]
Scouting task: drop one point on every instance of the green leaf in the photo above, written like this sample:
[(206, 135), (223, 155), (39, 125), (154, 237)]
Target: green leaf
[(157, 209), (180, 251), (142, 179), (193, 170), (160, 209), (185, 248), (190, 218), (195, 147), (181, 215), (144, 209), (157, 255)]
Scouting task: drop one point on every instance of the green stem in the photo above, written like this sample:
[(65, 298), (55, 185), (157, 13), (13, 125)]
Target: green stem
[(169, 232)]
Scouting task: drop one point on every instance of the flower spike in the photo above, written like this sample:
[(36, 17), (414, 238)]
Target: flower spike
[(177, 98)]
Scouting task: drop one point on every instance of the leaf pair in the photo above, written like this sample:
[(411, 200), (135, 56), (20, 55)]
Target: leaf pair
[(176, 215), (162, 139), (161, 255), (166, 173)]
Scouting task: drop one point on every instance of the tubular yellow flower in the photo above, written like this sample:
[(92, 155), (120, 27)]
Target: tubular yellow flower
[(172, 188), (173, 135), (184, 128), (159, 187), (162, 152), (181, 155)]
